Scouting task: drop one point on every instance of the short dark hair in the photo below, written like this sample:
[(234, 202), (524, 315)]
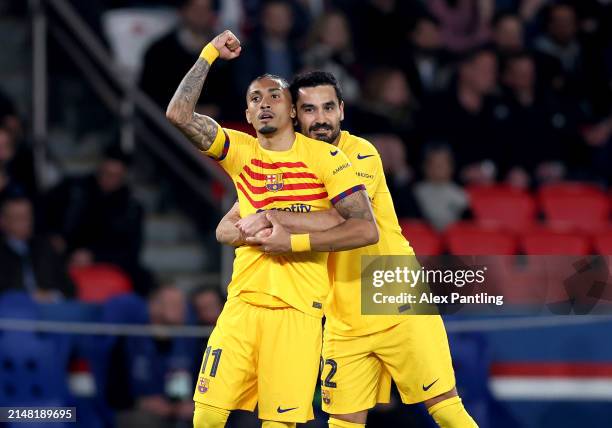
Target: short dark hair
[(435, 146), (472, 54), (508, 60), (311, 79), (549, 10), (12, 198), (270, 76), (180, 4), (116, 153), (207, 288), (500, 16), (424, 17), (267, 3)]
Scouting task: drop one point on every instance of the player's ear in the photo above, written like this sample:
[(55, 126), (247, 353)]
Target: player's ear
[(341, 111), (246, 114), (293, 113)]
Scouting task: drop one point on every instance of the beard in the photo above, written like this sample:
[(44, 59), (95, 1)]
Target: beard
[(326, 138), (267, 129)]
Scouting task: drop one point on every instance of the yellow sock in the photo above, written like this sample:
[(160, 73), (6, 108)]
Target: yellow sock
[(450, 413), (206, 416), (277, 424), (337, 423)]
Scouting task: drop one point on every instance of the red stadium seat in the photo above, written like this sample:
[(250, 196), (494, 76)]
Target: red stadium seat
[(98, 283), (569, 188), (423, 239), (472, 239), (581, 210), (553, 242), (502, 206), (603, 243)]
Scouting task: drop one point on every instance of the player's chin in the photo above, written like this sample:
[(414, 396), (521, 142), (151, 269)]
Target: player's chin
[(267, 129), (325, 136)]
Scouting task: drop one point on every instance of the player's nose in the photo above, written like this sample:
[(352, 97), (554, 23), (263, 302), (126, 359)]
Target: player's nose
[(319, 116), (265, 103)]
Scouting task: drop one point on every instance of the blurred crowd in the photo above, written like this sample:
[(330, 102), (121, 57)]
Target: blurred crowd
[(452, 92)]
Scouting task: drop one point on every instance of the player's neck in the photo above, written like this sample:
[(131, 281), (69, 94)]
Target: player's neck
[(336, 142), (278, 141)]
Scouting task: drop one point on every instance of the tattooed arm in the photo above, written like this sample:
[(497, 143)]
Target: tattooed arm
[(201, 130), (357, 230)]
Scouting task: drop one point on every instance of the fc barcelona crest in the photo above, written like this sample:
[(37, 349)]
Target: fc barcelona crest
[(203, 385), (274, 182), (326, 396)]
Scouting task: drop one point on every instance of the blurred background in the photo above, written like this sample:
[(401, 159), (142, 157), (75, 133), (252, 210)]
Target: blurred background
[(493, 119)]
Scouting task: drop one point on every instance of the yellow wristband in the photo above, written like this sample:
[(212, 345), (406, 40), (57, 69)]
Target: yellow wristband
[(209, 53), (300, 243)]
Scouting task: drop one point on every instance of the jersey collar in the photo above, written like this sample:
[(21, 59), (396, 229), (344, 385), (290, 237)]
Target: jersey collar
[(344, 136)]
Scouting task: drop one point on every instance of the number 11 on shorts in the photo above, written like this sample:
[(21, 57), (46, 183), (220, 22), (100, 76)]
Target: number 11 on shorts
[(216, 353)]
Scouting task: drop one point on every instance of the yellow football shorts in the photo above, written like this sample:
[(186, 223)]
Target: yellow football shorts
[(357, 371), (262, 356)]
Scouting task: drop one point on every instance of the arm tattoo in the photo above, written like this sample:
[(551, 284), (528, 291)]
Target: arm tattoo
[(201, 130), (356, 205)]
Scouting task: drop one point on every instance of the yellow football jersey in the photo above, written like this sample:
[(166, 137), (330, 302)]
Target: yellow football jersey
[(343, 306), (310, 176)]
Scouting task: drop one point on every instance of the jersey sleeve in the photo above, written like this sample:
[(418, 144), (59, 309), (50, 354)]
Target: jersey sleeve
[(338, 176), (230, 149), (369, 169)]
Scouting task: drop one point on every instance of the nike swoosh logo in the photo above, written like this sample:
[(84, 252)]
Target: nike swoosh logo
[(426, 388), (333, 153), (279, 410), (359, 156)]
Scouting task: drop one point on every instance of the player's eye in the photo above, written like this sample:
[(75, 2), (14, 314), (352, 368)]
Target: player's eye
[(308, 110), (255, 99), (275, 96)]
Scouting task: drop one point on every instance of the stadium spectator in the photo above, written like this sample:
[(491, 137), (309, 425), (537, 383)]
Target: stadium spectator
[(441, 201), (508, 34), (16, 160), (599, 139), (531, 121), (159, 383), (9, 119), (463, 116), (529, 9), (271, 49), (170, 57), (379, 28), (28, 261), (465, 24), (208, 303), (387, 106), (99, 220), (398, 172), (573, 62), (330, 49), (16, 166), (8, 184), (426, 65)]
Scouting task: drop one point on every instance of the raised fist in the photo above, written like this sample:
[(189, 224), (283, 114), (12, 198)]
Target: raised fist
[(227, 44)]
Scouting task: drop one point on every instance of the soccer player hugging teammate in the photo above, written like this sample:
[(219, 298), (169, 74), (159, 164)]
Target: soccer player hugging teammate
[(361, 353), (266, 346)]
